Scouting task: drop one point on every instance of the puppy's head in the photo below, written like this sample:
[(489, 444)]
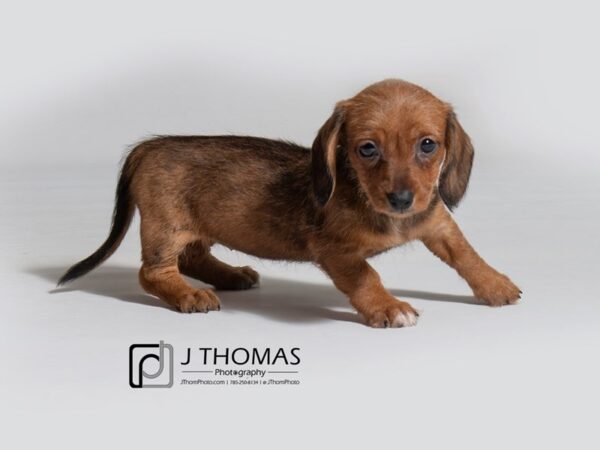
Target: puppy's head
[(404, 144)]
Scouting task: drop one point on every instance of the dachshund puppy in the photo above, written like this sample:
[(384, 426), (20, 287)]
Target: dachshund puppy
[(384, 169)]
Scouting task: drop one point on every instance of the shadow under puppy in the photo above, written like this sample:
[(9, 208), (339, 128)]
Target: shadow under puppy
[(384, 169)]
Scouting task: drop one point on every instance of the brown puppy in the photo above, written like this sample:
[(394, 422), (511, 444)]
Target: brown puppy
[(382, 171)]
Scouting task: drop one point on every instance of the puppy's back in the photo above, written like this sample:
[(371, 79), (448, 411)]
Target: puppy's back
[(231, 187)]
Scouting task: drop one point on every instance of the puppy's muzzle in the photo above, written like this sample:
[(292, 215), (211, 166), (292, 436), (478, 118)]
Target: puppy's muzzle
[(400, 201)]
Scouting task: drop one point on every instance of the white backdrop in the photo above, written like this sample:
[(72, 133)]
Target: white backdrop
[(81, 81)]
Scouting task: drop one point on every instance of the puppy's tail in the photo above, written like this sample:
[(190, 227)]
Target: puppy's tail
[(121, 219)]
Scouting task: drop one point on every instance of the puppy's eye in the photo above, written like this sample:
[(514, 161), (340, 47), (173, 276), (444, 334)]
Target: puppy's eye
[(428, 146), (368, 150)]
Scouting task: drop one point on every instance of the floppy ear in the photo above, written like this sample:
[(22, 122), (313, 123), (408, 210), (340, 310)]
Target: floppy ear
[(324, 156), (457, 165)]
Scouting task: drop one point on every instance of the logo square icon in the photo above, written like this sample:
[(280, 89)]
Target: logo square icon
[(151, 365)]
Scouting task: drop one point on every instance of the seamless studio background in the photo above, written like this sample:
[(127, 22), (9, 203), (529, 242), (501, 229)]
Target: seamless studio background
[(81, 82)]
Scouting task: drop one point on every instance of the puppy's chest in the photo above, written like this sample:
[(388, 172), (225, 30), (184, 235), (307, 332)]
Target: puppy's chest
[(371, 242)]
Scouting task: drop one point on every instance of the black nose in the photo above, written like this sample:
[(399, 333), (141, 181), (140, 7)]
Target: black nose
[(400, 200)]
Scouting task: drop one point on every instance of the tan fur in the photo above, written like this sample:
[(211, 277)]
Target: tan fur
[(330, 205)]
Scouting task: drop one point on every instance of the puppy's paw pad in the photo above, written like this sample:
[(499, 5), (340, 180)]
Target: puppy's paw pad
[(201, 300)]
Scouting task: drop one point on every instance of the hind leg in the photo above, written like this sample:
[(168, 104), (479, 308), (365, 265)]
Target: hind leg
[(197, 262), (160, 275)]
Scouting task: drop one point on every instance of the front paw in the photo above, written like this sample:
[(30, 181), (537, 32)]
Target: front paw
[(496, 289), (197, 300), (390, 313)]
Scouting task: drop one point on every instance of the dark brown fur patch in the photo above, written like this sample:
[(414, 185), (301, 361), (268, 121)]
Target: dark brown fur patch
[(459, 160)]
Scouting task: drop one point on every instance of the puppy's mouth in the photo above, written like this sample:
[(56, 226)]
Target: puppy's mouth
[(395, 212), (419, 206), (400, 214)]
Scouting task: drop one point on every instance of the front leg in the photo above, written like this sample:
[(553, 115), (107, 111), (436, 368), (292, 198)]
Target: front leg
[(444, 239), (359, 281)]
